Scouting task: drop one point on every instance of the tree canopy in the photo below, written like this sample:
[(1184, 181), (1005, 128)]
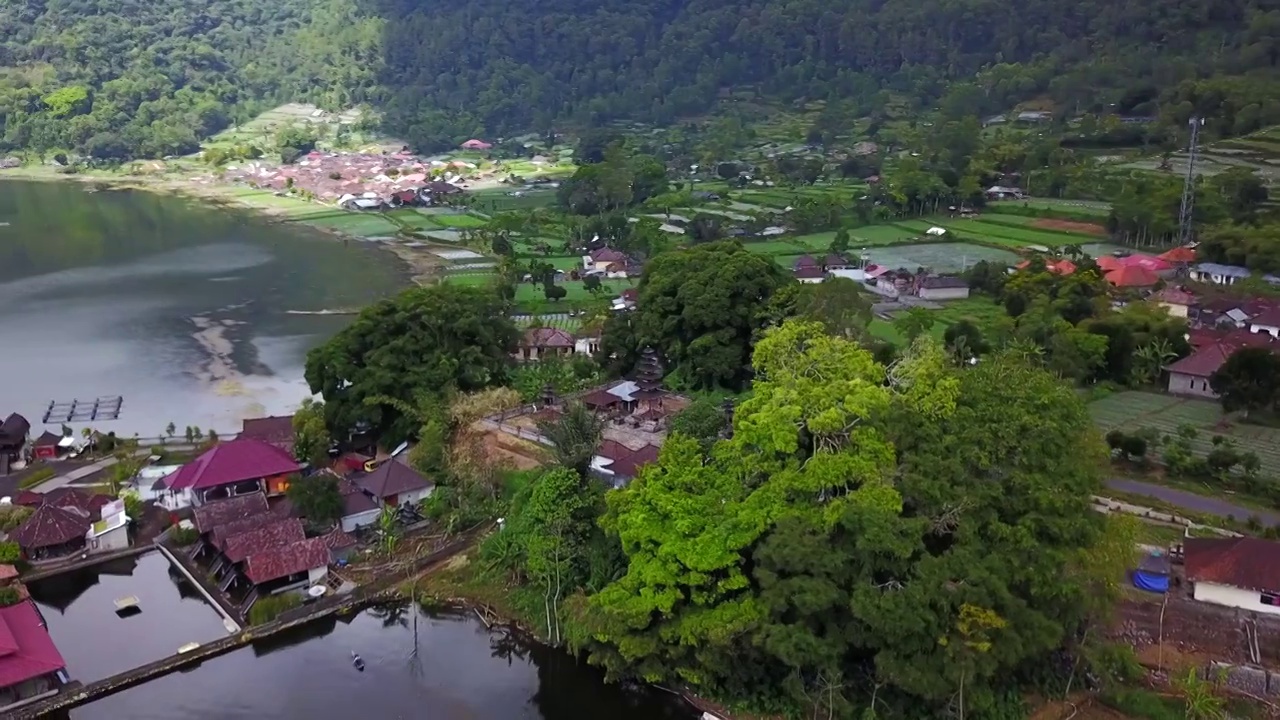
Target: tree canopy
[(421, 342)]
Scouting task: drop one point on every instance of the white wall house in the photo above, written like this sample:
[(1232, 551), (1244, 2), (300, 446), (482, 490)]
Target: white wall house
[(1268, 322), (1237, 597), (1218, 274), (1239, 572)]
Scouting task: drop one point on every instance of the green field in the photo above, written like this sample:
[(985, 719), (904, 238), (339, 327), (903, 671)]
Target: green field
[(1084, 207), (498, 200), (359, 224), (939, 257), (1166, 413), (1005, 234), (561, 321)]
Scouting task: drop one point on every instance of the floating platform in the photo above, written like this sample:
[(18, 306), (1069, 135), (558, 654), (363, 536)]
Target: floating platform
[(127, 603), (100, 409)]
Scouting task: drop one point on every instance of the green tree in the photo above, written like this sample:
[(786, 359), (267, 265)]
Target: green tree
[(1249, 380), (317, 498), (556, 524), (840, 243), (914, 322), (420, 342), (839, 304), (311, 436), (703, 420), (574, 437)]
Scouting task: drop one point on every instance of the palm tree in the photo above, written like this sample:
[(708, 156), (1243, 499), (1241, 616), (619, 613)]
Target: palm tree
[(574, 437), (1149, 360)]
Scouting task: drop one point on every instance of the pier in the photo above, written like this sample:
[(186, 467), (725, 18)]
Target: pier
[(97, 410)]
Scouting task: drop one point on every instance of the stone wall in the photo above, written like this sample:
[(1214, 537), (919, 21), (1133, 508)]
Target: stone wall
[(1226, 633)]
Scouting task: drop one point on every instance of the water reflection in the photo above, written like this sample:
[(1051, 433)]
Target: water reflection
[(456, 670)]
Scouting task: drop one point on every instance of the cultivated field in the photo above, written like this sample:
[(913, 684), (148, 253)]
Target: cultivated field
[(1133, 410)]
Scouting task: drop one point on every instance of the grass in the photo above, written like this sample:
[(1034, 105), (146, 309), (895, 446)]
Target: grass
[(1132, 410), (1017, 237), (568, 324), (359, 224), (268, 608), (36, 477), (459, 221), (1086, 207)]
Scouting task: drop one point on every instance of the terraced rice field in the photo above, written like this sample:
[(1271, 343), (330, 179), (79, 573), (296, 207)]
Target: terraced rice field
[(1015, 237), (1086, 207), (1133, 410)]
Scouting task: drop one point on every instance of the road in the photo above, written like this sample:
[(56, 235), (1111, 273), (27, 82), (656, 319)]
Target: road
[(1191, 501)]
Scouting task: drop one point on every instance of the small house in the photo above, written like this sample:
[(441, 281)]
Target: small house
[(47, 446), (340, 544), (1268, 322), (275, 430), (52, 533), (474, 144), (544, 342), (297, 564), (240, 467), (1191, 375), (30, 665), (394, 484), (1242, 572), (809, 274), (1182, 255), (111, 531), (1217, 274), (210, 517), (1176, 301), (942, 287), (600, 260)]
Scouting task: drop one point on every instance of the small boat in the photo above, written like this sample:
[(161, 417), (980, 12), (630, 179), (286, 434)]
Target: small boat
[(127, 604), (188, 648), (357, 661)]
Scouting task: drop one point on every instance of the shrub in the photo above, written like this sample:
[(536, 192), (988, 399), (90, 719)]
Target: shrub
[(9, 596), (271, 607), (183, 536), (9, 552), (12, 516)]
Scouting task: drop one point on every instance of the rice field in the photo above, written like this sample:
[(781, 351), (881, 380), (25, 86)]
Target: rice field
[(1087, 207), (1133, 410), (940, 257), (1015, 237), (359, 224)]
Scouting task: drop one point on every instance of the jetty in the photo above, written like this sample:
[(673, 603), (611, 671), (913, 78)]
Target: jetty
[(99, 409)]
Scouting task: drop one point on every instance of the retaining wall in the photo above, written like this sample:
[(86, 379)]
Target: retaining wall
[(1190, 625)]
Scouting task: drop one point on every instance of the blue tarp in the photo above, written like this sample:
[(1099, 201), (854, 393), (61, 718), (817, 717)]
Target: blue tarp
[(1151, 582)]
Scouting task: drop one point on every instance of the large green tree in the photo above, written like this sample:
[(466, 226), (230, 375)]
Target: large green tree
[(422, 342), (1249, 380)]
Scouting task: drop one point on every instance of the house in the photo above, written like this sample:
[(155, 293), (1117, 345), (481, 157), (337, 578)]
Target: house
[(894, 282), (1268, 321), (30, 665), (544, 342), (46, 446), (1191, 375), (1156, 265), (208, 518), (393, 484), (1132, 276), (300, 563), (239, 467), (1218, 274), (437, 188), (404, 198), (625, 301), (474, 144), (111, 532), (600, 260), (1034, 116), (340, 544), (72, 498), (835, 262), (942, 287), (1242, 572), (52, 533), (279, 533), (618, 463), (274, 430), (359, 510), (1001, 192), (809, 274), (1182, 255), (1176, 301), (587, 344)]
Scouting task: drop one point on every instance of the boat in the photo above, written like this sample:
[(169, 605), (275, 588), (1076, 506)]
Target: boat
[(188, 648), (127, 604), (357, 661)]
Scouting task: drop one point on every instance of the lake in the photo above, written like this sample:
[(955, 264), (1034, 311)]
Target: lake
[(186, 311), (460, 671)]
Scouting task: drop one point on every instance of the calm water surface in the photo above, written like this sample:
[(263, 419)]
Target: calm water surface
[(182, 309), (460, 672)]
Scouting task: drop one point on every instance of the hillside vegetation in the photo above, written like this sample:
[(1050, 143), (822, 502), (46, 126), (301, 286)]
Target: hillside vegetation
[(129, 78)]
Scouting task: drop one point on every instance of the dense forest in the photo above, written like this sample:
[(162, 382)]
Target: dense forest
[(131, 78)]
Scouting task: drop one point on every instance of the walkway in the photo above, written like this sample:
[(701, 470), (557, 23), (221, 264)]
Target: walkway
[(81, 472), (1191, 501)]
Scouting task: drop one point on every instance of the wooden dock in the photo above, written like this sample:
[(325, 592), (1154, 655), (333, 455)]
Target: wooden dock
[(99, 409)]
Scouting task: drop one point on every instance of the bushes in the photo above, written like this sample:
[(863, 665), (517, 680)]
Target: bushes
[(1142, 703), (9, 596), (270, 607), (12, 516), (183, 537), (9, 553)]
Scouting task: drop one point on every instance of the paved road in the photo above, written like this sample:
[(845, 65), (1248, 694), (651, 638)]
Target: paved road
[(1191, 501)]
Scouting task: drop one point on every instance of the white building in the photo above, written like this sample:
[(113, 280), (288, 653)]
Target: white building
[(1218, 274), (1241, 572), (1267, 322), (111, 532)]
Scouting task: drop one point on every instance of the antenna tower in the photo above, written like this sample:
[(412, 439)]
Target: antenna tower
[(1189, 185)]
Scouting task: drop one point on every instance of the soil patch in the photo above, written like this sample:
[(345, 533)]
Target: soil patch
[(1083, 228), (1081, 706)]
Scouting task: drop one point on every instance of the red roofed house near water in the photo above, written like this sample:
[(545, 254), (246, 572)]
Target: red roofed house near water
[(1241, 572), (239, 467), (393, 483), (52, 532), (276, 430), (304, 562), (30, 664), (213, 515)]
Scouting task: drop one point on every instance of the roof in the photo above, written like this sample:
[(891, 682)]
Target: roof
[(1269, 318), (943, 281), (1108, 263), (26, 650), (805, 261), (607, 255), (1243, 562), (1208, 358), (74, 498), (28, 498), (276, 430), (8, 572), (546, 337), (1181, 254), (354, 500), (1132, 276), (273, 535), (336, 539), (48, 439), (834, 259), (220, 533), (613, 450), (1175, 296), (233, 462), (221, 512), (50, 525), (1226, 270), (806, 272), (1060, 267), (392, 478), (286, 560), (630, 465), (1148, 262), (14, 429), (600, 398)]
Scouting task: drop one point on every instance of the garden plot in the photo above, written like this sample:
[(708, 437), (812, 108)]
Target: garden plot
[(1014, 236), (450, 236), (722, 213), (940, 257), (455, 255), (1089, 207), (1130, 411)]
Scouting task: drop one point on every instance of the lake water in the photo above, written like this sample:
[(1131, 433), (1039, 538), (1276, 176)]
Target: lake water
[(460, 672), (184, 310)]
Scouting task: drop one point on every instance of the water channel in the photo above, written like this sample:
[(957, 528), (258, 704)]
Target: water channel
[(189, 312)]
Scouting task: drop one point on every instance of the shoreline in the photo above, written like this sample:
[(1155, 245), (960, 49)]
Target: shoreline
[(419, 266)]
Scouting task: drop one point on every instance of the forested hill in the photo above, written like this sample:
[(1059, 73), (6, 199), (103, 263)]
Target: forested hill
[(150, 77), (503, 66)]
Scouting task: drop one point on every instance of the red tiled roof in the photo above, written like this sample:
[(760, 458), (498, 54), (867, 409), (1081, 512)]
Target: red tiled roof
[(233, 462), (808, 272), (47, 439), (1108, 263), (26, 650), (834, 259), (546, 337), (276, 430), (393, 478), (1132, 276), (69, 497), (273, 535), (28, 498), (336, 539), (221, 512), (805, 261), (1243, 562), (607, 255), (1182, 254), (1269, 318), (219, 534), (1175, 296), (630, 465), (286, 560), (1201, 363), (613, 450), (1060, 267), (50, 525), (600, 399), (1146, 262)]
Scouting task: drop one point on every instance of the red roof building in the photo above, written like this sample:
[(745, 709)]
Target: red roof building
[(214, 514), (52, 532), (1107, 263), (241, 461), (541, 342), (67, 497), (218, 535), (45, 447), (274, 430), (394, 483), (629, 466), (1191, 374), (1146, 262), (1057, 267), (277, 534), (1246, 563), (29, 661), (285, 562), (606, 256), (1132, 276), (1179, 255)]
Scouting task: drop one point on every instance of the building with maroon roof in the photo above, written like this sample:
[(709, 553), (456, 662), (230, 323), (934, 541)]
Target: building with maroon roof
[(52, 532), (393, 484), (239, 467), (1241, 572), (236, 548), (600, 260), (1191, 374), (275, 430), (30, 664), (544, 342), (1132, 276), (1267, 321), (213, 515), (305, 562)]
